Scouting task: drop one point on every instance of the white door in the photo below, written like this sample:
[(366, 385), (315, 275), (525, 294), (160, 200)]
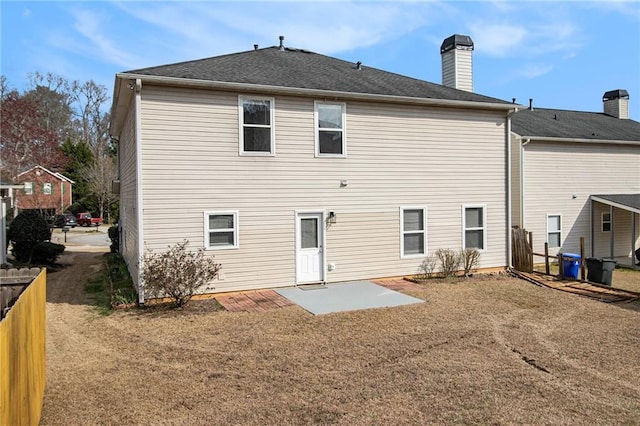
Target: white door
[(309, 240)]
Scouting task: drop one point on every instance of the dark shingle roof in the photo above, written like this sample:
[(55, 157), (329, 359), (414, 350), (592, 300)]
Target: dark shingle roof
[(631, 201), (558, 123), (296, 68)]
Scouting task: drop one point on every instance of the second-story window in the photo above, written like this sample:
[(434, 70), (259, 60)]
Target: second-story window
[(330, 129), (257, 136)]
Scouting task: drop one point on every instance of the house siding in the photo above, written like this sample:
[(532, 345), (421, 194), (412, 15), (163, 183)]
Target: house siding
[(516, 181), (554, 172), (128, 194), (457, 69), (397, 156), (622, 228)]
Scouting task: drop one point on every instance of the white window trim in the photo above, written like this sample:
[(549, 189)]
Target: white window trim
[(28, 188), (44, 188), (316, 127), (602, 222), (241, 151), (555, 231), (484, 227), (403, 232), (236, 229)]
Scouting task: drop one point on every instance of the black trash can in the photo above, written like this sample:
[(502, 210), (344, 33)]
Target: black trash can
[(600, 270)]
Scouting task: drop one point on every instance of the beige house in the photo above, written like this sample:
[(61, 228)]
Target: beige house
[(577, 174), (292, 167)]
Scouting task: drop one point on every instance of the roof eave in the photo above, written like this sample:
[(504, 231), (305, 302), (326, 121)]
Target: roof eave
[(295, 91), (532, 138)]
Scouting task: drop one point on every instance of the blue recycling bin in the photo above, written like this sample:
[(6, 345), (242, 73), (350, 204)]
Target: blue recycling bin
[(570, 265)]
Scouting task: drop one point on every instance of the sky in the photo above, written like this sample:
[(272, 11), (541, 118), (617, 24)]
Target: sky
[(564, 55)]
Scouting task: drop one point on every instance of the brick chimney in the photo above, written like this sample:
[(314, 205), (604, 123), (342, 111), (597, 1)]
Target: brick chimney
[(616, 103), (457, 65)]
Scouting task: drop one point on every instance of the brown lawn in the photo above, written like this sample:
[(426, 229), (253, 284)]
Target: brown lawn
[(492, 351)]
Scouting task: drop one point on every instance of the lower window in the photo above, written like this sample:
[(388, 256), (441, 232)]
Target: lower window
[(414, 231), (474, 224), (554, 230), (221, 230)]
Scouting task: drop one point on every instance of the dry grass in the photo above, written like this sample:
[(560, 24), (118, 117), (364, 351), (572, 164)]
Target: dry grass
[(496, 351)]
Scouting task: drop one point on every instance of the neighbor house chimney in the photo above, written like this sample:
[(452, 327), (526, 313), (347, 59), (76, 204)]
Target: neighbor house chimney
[(457, 66), (616, 103)]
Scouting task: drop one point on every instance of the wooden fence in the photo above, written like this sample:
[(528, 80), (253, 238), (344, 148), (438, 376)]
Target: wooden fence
[(522, 249), (22, 353), (522, 252)]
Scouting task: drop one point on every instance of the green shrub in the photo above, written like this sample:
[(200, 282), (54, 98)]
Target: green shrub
[(114, 235), (46, 252), (25, 231)]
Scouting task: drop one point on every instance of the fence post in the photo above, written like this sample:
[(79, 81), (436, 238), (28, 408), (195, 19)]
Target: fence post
[(530, 266), (560, 266), (582, 268), (546, 258)]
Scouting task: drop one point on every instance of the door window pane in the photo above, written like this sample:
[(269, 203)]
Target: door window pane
[(309, 233)]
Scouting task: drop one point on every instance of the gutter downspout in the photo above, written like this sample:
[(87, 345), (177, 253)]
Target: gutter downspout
[(139, 209), (508, 188)]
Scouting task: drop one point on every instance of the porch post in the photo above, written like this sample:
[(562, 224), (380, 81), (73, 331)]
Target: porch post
[(633, 239), (591, 231), (612, 240)]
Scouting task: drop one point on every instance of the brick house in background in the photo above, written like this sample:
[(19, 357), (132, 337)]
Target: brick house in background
[(44, 190)]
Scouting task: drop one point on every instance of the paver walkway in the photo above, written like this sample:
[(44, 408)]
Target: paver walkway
[(265, 300)]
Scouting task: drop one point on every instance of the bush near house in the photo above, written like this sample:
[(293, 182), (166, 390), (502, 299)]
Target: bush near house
[(178, 273), (46, 252)]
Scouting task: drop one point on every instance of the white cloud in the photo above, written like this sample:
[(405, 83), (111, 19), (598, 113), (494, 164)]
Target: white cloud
[(498, 40), (324, 27), (535, 70)]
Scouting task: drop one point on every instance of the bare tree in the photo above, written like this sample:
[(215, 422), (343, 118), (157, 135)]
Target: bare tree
[(92, 121), (99, 176)]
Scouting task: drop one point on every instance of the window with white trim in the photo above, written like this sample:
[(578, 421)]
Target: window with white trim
[(474, 220), (606, 222), (28, 188), (554, 230), (47, 188), (413, 231), (330, 120), (221, 230), (257, 135)]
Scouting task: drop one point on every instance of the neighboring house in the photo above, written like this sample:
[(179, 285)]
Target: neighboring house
[(292, 167), (44, 190), (577, 174)]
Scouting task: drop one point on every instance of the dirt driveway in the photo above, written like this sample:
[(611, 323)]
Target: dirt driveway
[(496, 351)]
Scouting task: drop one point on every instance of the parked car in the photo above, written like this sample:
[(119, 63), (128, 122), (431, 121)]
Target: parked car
[(86, 219), (61, 220)]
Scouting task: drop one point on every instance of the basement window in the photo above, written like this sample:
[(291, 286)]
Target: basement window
[(257, 134), (330, 129)]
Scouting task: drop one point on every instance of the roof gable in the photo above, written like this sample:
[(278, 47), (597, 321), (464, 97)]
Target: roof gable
[(297, 68), (565, 124), (54, 174)]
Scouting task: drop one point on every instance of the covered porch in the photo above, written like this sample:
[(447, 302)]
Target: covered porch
[(615, 227)]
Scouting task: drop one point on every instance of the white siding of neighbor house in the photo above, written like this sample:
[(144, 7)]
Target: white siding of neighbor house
[(128, 194), (397, 156), (554, 172), (516, 155), (622, 228)]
